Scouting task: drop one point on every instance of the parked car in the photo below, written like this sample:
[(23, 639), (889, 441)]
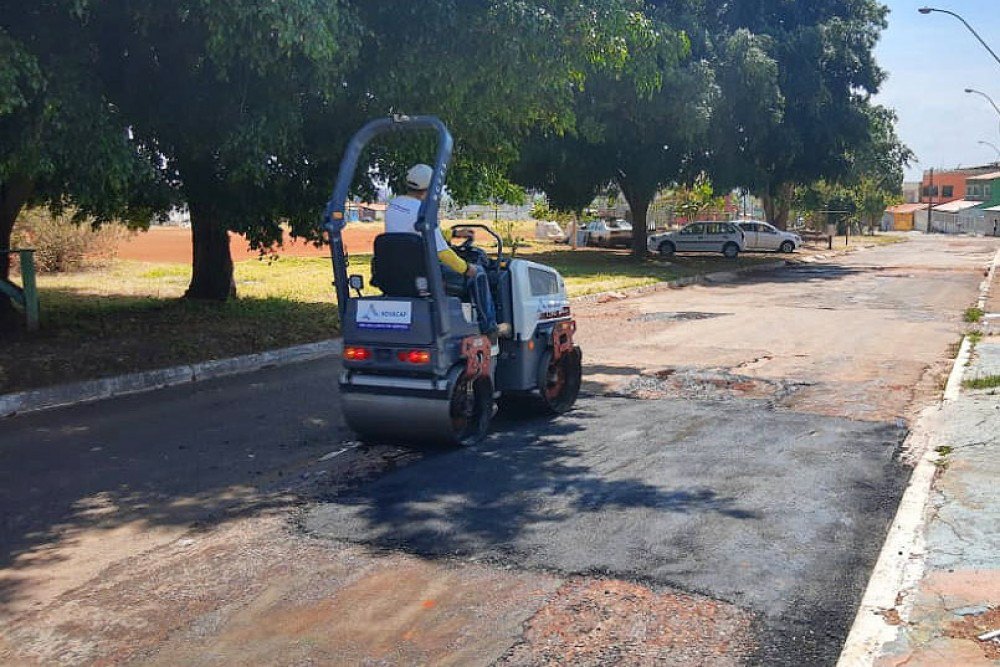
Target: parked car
[(762, 236), (549, 230), (724, 237), (607, 233)]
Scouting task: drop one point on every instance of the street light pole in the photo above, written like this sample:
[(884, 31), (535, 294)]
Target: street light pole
[(928, 10), (993, 146), (984, 95)]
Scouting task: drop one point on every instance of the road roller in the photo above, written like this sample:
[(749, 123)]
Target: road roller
[(416, 365)]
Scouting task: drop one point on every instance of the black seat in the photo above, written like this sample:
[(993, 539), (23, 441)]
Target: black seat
[(398, 265)]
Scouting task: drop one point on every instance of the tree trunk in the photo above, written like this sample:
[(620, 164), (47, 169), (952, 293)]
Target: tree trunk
[(14, 193), (638, 203), (777, 205), (212, 266)]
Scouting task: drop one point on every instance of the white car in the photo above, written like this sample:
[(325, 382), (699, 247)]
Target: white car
[(762, 236), (607, 233), (724, 237), (549, 230)]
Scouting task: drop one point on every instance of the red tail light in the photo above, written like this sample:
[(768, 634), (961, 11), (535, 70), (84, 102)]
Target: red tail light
[(357, 353), (414, 356)]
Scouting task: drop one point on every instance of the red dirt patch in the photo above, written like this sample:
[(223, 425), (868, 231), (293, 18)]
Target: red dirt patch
[(970, 627), (173, 245), (602, 622), (251, 592)]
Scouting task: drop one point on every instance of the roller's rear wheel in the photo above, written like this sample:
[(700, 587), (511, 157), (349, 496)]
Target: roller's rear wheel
[(559, 380), (470, 410)]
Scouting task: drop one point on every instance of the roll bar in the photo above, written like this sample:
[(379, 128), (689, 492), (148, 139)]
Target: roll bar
[(496, 237), (427, 219)]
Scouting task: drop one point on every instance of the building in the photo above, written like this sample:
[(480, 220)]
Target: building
[(968, 215), (911, 192), (949, 184), (960, 198), (984, 189), (365, 212), (371, 212), (900, 218), (954, 217)]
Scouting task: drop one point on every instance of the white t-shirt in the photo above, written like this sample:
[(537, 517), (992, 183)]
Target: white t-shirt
[(401, 218)]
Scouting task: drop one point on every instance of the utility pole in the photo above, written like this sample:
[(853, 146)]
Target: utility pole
[(930, 200)]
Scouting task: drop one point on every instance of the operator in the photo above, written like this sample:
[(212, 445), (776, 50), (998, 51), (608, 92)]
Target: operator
[(401, 218)]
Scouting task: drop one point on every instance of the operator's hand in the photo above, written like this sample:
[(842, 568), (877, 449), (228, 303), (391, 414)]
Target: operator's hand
[(471, 271)]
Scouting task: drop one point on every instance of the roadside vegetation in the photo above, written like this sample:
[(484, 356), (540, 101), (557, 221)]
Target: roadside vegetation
[(984, 382), (973, 315)]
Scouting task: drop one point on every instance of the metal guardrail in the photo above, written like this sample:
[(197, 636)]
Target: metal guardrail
[(25, 295)]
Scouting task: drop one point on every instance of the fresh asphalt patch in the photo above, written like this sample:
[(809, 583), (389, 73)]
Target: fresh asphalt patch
[(779, 512)]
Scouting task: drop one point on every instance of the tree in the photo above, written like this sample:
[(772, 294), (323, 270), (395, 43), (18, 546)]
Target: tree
[(816, 62), (251, 103), (62, 143), (691, 202), (876, 176), (638, 127), (220, 90)]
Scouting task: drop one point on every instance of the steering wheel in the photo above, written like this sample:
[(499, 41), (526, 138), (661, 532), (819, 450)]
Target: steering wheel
[(470, 253)]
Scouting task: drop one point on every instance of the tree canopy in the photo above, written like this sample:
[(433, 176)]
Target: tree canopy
[(797, 92), (636, 128), (62, 142)]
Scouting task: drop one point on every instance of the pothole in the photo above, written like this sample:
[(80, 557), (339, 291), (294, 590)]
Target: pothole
[(682, 316), (700, 384)]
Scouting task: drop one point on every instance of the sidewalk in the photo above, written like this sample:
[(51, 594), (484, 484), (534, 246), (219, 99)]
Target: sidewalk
[(934, 596), (957, 597)]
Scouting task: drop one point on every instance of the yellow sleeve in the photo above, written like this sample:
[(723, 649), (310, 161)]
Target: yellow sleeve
[(451, 259)]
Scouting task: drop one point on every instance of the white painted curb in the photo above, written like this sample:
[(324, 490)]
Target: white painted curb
[(953, 388), (984, 289), (59, 396)]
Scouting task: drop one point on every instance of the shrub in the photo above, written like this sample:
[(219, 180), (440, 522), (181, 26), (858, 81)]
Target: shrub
[(62, 245), (973, 315), (507, 229)]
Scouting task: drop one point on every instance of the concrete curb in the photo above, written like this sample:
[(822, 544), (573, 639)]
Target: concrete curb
[(900, 565), (46, 398), (984, 288)]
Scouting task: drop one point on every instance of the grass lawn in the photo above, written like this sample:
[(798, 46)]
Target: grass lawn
[(128, 316)]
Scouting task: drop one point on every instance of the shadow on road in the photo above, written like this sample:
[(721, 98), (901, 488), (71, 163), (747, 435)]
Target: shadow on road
[(803, 273), (528, 475), (178, 458)]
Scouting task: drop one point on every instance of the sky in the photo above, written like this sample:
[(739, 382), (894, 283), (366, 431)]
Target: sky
[(931, 60)]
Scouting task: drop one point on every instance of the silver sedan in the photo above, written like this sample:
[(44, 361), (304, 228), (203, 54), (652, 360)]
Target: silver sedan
[(761, 236)]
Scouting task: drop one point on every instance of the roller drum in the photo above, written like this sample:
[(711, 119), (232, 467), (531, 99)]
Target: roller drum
[(385, 416)]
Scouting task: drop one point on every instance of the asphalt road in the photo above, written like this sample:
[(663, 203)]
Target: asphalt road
[(775, 511), (737, 457)]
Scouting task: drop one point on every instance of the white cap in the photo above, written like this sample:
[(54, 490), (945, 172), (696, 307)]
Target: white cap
[(419, 177)]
